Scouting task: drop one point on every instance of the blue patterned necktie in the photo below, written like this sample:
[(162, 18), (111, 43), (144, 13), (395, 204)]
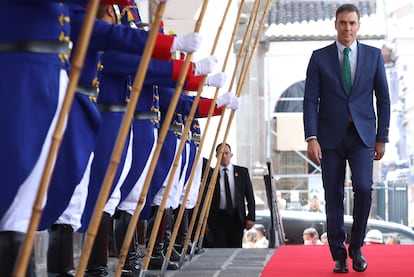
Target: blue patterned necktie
[(346, 68)]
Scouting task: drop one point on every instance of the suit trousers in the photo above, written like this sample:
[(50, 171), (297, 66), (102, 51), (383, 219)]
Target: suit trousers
[(360, 159), (228, 232)]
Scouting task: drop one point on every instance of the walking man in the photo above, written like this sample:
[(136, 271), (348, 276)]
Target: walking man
[(342, 125)]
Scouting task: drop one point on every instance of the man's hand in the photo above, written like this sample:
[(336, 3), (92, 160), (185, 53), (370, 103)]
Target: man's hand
[(205, 66), (224, 100), (234, 103), (314, 151), (188, 43), (229, 100), (216, 80), (379, 150)]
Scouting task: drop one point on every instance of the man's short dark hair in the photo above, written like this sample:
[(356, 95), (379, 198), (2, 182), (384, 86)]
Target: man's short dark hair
[(220, 144), (347, 8)]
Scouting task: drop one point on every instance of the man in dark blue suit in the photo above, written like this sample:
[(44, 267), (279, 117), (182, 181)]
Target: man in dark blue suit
[(342, 125)]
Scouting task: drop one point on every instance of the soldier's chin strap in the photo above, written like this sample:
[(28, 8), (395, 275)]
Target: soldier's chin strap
[(117, 14)]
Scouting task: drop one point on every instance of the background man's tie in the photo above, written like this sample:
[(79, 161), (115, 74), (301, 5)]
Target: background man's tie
[(346, 68), (229, 202)]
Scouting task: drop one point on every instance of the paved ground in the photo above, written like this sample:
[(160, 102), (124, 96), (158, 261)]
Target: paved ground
[(227, 263), (221, 262), (213, 262)]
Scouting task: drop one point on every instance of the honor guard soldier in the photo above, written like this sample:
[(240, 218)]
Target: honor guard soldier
[(115, 87), (34, 65), (167, 155), (193, 142), (75, 155)]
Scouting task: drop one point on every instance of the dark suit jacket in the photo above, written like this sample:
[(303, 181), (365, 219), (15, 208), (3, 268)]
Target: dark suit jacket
[(244, 193), (327, 108)]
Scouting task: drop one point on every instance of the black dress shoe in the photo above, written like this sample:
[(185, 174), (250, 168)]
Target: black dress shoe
[(341, 266), (359, 263)]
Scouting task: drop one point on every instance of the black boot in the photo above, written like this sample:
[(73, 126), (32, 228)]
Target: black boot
[(134, 257), (9, 250), (112, 251), (182, 232), (98, 260), (169, 224), (157, 257), (96, 271), (60, 251), (150, 221)]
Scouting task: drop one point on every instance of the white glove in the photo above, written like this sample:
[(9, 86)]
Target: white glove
[(224, 99), (187, 43), (205, 66), (234, 102), (216, 80)]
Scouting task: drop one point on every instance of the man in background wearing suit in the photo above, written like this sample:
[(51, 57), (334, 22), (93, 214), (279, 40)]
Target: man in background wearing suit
[(228, 220), (342, 125)]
